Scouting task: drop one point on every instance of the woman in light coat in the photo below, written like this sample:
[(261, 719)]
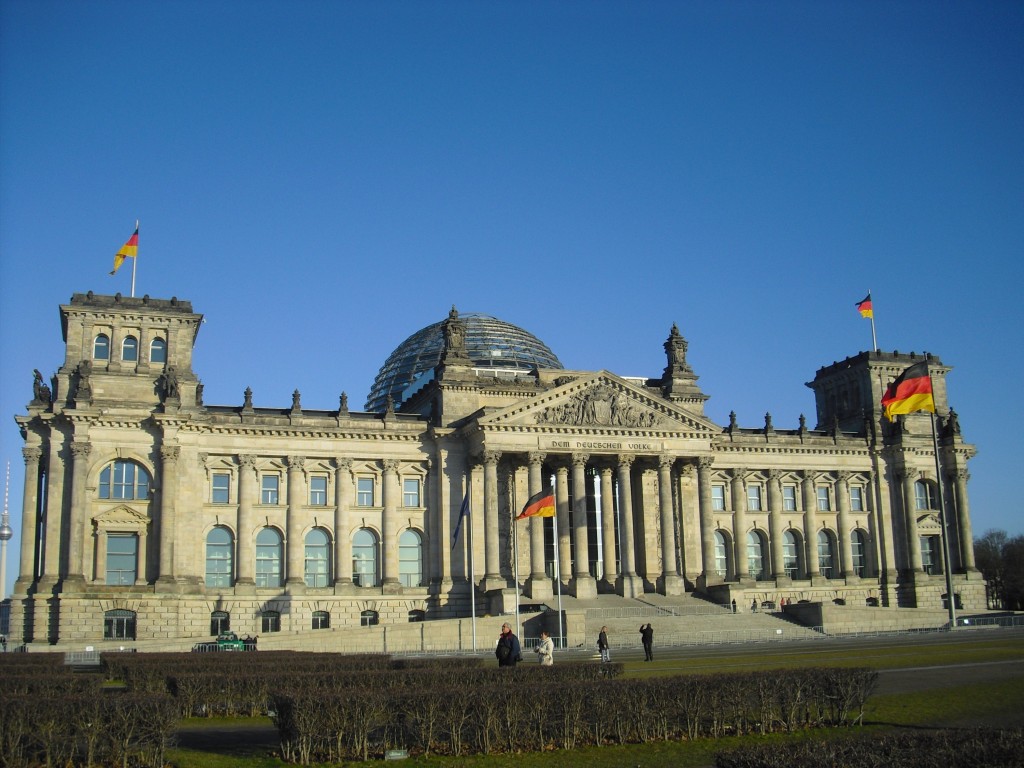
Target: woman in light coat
[(545, 651)]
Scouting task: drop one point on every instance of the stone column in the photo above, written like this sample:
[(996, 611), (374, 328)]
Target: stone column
[(54, 510), (628, 583), (608, 526), (492, 555), (79, 501), (295, 564), (389, 527), (562, 509), (342, 535), (29, 519), (810, 500), (910, 475), (246, 566), (963, 519), (166, 571), (538, 585), (775, 525), (584, 585), (670, 582), (739, 522), (845, 529), (707, 519)]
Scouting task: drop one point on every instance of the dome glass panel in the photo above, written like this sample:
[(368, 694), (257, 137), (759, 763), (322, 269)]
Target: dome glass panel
[(490, 343)]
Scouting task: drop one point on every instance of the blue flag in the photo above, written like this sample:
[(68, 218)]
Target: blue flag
[(463, 514)]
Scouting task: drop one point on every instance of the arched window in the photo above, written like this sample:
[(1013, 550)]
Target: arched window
[(219, 558), (321, 620), (124, 479), (270, 621), (791, 554), (268, 558), (755, 555), (410, 559), (364, 558), (926, 495), (824, 554), (119, 625), (858, 543), (220, 621), (158, 351), (721, 555), (101, 347), (369, 619), (130, 349), (318, 558)]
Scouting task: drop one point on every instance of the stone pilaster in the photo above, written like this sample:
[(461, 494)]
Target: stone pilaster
[(670, 582), (628, 583), (583, 585)]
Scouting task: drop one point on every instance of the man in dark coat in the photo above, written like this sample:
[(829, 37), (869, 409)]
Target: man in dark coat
[(508, 649), (647, 637)]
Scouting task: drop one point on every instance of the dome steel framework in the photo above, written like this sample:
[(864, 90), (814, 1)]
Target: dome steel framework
[(490, 343)]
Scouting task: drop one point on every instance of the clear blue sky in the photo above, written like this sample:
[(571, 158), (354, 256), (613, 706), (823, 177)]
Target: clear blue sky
[(322, 179)]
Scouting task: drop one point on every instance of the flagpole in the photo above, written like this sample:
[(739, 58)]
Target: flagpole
[(558, 577), (946, 564), (515, 564), (874, 339), (135, 261), (472, 579)]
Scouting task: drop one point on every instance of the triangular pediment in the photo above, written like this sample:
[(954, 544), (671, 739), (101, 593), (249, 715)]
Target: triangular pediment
[(599, 401), (121, 517)]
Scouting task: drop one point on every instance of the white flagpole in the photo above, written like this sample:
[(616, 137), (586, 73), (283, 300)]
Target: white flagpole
[(874, 338), (135, 260), (558, 578), (515, 565), (946, 564)]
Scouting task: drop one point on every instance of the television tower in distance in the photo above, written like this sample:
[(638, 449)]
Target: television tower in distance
[(5, 535)]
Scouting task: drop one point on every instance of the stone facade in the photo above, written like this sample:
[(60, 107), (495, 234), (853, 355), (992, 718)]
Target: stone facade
[(149, 514)]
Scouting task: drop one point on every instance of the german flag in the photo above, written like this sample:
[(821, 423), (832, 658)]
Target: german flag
[(910, 392), (541, 504), (129, 250), (864, 307)]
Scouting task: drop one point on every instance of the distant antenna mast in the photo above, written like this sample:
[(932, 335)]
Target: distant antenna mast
[(5, 535)]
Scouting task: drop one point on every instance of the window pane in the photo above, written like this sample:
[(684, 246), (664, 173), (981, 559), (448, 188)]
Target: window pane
[(754, 498), (130, 349), (158, 351), (364, 558), (410, 559), (317, 564), (318, 491), (364, 492), (269, 489), (718, 497), (122, 551), (268, 558), (721, 556), (856, 498), (219, 557), (789, 498), (824, 504), (101, 348), (411, 493), (221, 488)]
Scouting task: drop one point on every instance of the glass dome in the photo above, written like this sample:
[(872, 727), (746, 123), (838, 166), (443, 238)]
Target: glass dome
[(490, 343)]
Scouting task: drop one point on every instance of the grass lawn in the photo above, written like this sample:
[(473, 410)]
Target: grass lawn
[(934, 683)]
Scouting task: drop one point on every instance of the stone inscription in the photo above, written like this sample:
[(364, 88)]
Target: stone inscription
[(574, 444)]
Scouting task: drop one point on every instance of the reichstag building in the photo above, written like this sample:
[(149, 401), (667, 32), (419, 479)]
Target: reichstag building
[(151, 514)]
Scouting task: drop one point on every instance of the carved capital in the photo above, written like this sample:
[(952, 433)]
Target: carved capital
[(390, 465), (810, 475), (80, 450), (31, 454), (536, 458), (491, 457), (295, 462), (739, 474), (343, 463), (775, 475), (247, 460), (170, 452), (911, 473), (843, 476), (704, 463), (580, 459), (665, 461), (687, 470), (961, 474), (626, 460)]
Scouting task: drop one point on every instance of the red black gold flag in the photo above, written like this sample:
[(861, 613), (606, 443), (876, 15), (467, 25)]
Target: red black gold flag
[(864, 307), (541, 504), (910, 392), (129, 250)]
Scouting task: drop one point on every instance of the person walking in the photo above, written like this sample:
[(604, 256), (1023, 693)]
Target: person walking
[(647, 637), (508, 650), (545, 650), (603, 647)]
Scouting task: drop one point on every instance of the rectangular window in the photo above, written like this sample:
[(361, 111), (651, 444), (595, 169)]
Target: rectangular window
[(318, 491), (754, 498), (718, 498), (856, 498), (364, 492), (221, 493), (270, 489), (122, 556), (824, 503), (789, 498), (410, 493)]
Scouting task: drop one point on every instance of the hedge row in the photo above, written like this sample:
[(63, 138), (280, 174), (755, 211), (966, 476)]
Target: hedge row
[(982, 748), (112, 729), (529, 709)]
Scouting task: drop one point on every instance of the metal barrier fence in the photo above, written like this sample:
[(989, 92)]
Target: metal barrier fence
[(655, 611)]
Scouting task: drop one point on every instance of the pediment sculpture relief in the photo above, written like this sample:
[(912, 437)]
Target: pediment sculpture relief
[(600, 406)]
